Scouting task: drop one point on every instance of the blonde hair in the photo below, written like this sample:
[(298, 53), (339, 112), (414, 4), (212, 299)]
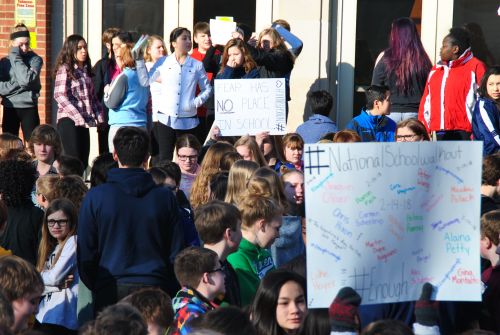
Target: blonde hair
[(251, 144), (18, 27), (151, 40), (275, 36), (256, 207), (45, 185), (276, 185), (258, 186), (209, 166), (239, 175)]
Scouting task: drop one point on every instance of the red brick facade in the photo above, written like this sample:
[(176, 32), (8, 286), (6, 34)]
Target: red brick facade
[(43, 47)]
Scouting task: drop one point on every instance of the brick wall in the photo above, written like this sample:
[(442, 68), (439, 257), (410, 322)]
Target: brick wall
[(43, 48)]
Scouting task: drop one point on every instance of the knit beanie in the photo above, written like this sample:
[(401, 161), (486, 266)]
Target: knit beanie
[(344, 309), (426, 311)]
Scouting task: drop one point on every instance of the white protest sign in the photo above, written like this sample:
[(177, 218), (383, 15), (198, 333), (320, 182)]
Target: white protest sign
[(221, 31), (250, 106), (384, 218)]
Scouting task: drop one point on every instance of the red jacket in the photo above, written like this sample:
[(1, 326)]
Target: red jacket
[(450, 94), (196, 54)]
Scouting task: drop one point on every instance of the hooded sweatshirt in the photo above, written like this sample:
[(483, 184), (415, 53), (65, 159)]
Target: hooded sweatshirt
[(22, 71), (373, 128), (251, 263), (125, 232), (290, 243)]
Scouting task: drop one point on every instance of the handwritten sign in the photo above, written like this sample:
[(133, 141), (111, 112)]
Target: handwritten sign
[(221, 31), (249, 106), (384, 218)]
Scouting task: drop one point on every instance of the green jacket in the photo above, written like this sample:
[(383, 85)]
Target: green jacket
[(251, 264)]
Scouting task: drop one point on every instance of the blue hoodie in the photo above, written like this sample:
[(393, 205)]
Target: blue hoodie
[(373, 128), (317, 126), (125, 232)]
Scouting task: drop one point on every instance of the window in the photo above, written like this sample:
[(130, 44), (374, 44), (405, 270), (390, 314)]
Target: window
[(482, 21), (241, 11), (373, 25), (136, 16)]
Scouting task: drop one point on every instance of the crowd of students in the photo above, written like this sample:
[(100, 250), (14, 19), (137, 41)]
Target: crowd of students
[(192, 246)]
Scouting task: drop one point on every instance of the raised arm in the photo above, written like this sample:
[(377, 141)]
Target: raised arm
[(25, 75)]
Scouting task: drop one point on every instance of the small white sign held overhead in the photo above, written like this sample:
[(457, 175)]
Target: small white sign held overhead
[(221, 31)]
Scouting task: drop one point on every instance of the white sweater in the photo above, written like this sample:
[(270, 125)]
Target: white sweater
[(59, 306)]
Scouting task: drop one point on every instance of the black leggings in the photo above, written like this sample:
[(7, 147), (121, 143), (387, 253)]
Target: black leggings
[(27, 118), (75, 140), (163, 141)]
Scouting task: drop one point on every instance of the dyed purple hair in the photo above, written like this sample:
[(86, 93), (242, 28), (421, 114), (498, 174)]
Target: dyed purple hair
[(405, 57)]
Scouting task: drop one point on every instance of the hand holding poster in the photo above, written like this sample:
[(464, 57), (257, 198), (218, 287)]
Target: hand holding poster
[(384, 218), (250, 106)]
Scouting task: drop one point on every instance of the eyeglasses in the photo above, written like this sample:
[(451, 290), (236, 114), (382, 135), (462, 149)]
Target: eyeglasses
[(61, 223), (222, 269), (185, 158), (406, 138)]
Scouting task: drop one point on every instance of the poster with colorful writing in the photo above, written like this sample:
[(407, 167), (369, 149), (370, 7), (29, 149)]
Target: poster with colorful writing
[(250, 106), (384, 218)]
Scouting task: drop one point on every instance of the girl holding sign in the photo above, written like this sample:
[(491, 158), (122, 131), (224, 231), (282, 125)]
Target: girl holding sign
[(178, 74)]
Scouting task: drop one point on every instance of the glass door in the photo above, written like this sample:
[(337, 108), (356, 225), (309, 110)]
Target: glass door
[(373, 24)]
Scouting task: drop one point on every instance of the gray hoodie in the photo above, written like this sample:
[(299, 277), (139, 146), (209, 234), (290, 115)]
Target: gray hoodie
[(20, 79)]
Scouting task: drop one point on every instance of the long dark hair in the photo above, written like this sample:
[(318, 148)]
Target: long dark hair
[(263, 308), (175, 34), (492, 71), (405, 57), (67, 58)]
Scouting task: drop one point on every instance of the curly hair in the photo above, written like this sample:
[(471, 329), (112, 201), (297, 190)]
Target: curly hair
[(71, 187), (209, 166), (17, 178)]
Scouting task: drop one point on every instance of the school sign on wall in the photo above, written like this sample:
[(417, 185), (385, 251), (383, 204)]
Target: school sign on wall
[(384, 218)]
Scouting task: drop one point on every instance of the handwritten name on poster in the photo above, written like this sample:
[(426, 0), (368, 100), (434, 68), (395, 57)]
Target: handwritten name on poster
[(250, 106), (384, 218)]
